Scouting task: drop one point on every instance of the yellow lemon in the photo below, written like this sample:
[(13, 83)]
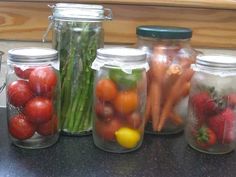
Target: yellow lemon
[(127, 137)]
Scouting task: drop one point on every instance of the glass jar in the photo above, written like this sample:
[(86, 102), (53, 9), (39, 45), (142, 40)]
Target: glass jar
[(211, 122), (77, 34), (33, 97), (119, 99), (170, 56)]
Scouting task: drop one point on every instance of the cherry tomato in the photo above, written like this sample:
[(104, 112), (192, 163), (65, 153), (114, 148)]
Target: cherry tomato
[(23, 74), (39, 110), (20, 128), (104, 111), (126, 102), (48, 128), (19, 93), (106, 130), (43, 80), (134, 120), (106, 90)]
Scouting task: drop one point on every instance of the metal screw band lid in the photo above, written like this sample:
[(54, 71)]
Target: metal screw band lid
[(32, 54)]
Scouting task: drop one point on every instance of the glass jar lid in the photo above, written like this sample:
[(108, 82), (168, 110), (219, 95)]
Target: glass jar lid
[(164, 32), (70, 11), (32, 55), (126, 59)]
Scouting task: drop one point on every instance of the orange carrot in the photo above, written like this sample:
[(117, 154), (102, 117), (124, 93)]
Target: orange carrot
[(155, 103), (185, 90), (158, 63), (148, 107), (175, 93), (158, 69), (176, 119), (172, 75)]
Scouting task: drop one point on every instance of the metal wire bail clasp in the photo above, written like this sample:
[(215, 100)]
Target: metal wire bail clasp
[(107, 14), (48, 29)]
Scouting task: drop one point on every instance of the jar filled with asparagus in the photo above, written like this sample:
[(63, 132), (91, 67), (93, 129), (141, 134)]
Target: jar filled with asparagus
[(77, 34), (170, 56)]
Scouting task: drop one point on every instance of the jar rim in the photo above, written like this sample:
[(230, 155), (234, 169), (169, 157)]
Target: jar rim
[(72, 11), (32, 54)]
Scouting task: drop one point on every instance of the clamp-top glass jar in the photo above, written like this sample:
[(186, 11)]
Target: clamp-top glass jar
[(77, 34), (211, 122), (170, 56), (33, 97), (119, 99)]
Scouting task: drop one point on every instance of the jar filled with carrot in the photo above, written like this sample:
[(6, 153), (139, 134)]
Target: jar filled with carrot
[(170, 56), (119, 99)]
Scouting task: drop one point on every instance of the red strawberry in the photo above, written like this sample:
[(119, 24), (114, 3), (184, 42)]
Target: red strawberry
[(203, 106), (223, 125), (231, 99), (205, 137)]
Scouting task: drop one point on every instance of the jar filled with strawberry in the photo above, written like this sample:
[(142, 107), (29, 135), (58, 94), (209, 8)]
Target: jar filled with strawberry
[(119, 99), (33, 97), (211, 122), (170, 56)]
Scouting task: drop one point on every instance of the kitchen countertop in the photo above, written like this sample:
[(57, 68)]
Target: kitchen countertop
[(163, 156)]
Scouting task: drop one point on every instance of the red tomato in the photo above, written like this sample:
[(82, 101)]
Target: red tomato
[(106, 130), (43, 80), (104, 111), (19, 93), (106, 90), (24, 74), (126, 101), (48, 128), (39, 110), (134, 120), (20, 128)]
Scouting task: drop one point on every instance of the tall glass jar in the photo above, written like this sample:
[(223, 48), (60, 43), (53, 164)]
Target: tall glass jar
[(211, 122), (170, 56), (33, 97), (119, 99), (77, 34)]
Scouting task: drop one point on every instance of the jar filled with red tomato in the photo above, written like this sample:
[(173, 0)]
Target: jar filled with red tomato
[(119, 99), (170, 56), (33, 97), (211, 121)]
